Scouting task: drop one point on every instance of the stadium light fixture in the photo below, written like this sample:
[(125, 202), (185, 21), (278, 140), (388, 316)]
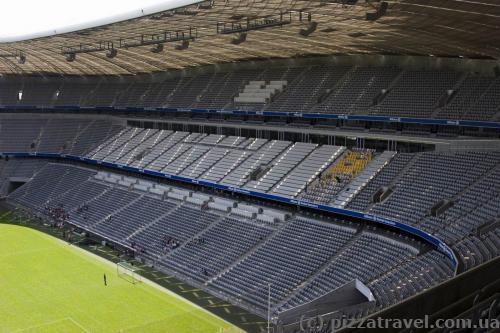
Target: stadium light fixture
[(254, 24), (18, 55), (111, 47)]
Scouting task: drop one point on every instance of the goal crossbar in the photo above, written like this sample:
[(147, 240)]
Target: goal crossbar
[(128, 272)]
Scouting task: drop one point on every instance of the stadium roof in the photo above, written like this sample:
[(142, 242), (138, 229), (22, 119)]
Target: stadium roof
[(223, 31), (35, 18)]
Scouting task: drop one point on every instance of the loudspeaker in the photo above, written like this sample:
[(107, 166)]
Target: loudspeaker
[(111, 53), (157, 48), (183, 46), (312, 26), (70, 57), (240, 39), (381, 11), (21, 59), (497, 71)]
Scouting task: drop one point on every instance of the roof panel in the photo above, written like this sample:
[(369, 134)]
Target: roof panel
[(413, 27)]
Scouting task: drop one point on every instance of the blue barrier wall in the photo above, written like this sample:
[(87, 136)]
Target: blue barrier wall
[(434, 241), (385, 119)]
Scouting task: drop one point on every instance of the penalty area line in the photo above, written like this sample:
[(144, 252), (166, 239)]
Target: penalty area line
[(78, 324), (49, 323)]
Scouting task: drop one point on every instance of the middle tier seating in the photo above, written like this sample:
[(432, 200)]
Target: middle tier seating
[(334, 179)]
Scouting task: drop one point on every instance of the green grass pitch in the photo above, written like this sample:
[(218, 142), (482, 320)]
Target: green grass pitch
[(47, 285)]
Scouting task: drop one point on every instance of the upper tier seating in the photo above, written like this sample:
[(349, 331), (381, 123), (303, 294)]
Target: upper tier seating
[(470, 94), (416, 93), (430, 93), (303, 94), (356, 93), (487, 106), (224, 87), (9, 92), (260, 91)]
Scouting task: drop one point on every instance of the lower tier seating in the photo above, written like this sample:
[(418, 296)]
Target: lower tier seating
[(232, 249)]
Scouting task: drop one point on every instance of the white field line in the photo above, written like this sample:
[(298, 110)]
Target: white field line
[(79, 325), (143, 279), (42, 325)]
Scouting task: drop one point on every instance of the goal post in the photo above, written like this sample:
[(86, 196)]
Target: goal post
[(128, 272)]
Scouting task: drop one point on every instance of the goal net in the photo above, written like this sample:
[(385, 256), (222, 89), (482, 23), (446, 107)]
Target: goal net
[(128, 272)]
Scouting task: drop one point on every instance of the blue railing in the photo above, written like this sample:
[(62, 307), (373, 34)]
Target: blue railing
[(305, 115)]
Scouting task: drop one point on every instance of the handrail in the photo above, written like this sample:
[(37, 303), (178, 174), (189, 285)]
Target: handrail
[(307, 115)]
